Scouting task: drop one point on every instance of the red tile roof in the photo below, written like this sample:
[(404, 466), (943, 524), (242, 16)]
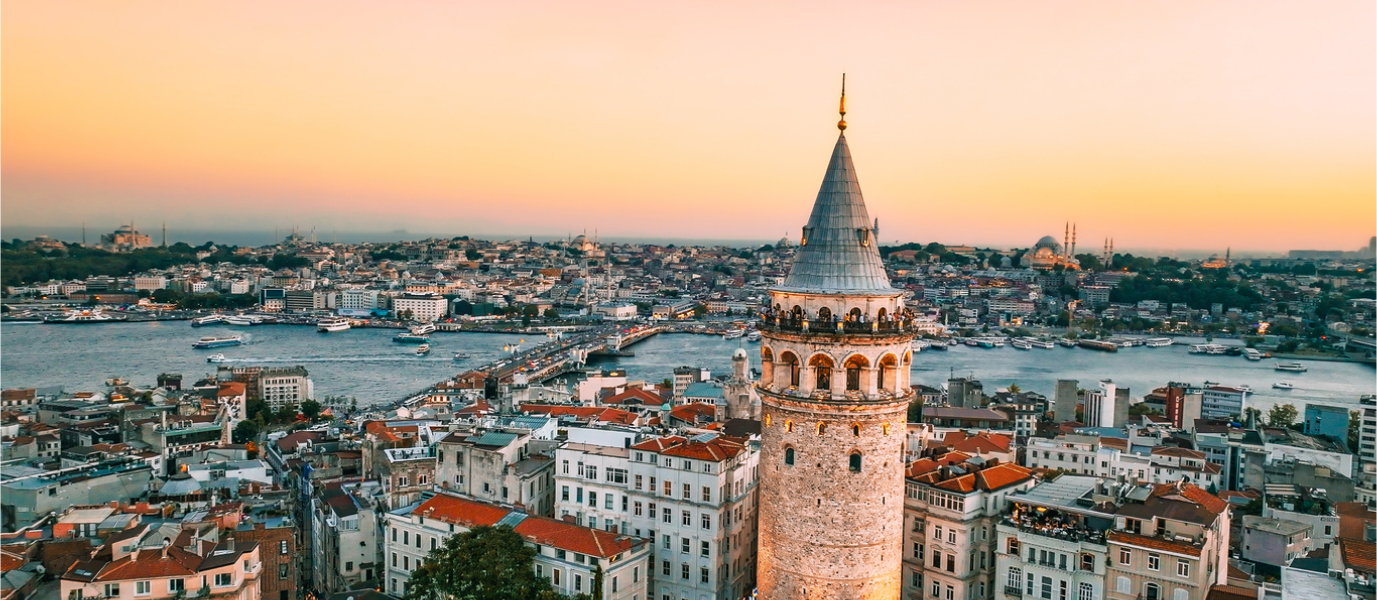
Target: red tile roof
[(1177, 451), (1001, 476), (1190, 493), (659, 444), (636, 396), (230, 389), (1152, 542), (1231, 592), (691, 412), (1353, 519), (1358, 555), (587, 413), (459, 511), (717, 449), (982, 442), (575, 538)]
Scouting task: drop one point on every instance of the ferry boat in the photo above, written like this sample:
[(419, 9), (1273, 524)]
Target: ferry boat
[(423, 329), (243, 320), (83, 317), (732, 334), (217, 341), (461, 355), (423, 350), (215, 358), (1283, 385), (1208, 349), (1099, 345), (329, 324), (939, 345), (1022, 344), (753, 336), (1252, 354), (1044, 344), (1247, 389), (1067, 343), (1293, 367), (920, 345), (1157, 342), (206, 320), (410, 338)]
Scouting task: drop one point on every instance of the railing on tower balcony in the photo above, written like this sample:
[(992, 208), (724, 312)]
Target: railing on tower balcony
[(790, 322)]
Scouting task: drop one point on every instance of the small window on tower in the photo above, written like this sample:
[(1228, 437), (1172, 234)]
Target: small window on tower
[(856, 429), (789, 456), (856, 462)]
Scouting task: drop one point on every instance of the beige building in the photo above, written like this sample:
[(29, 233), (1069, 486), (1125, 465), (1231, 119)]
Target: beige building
[(130, 567)]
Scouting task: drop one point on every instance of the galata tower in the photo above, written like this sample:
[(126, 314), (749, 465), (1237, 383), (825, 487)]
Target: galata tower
[(834, 391)]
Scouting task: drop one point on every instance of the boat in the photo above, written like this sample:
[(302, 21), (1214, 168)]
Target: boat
[(1247, 389), (1099, 345), (329, 324), (1067, 343), (1044, 344), (753, 336), (116, 382), (920, 345), (1208, 349), (216, 341), (461, 355), (83, 317), (732, 334), (410, 338), (1157, 342), (939, 345), (1293, 367), (206, 320), (1252, 354), (215, 358), (423, 350), (243, 320), (1021, 344), (1283, 385), (423, 329)]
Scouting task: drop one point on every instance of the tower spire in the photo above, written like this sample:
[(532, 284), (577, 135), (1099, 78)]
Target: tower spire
[(841, 125)]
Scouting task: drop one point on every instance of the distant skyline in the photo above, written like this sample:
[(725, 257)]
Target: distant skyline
[(1185, 126)]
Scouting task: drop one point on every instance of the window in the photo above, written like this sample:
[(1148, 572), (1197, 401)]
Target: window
[(1015, 580), (1087, 562), (224, 579), (684, 545), (143, 588), (578, 583), (703, 574), (639, 480), (607, 500), (668, 517), (563, 494), (855, 462), (822, 427), (176, 585), (1152, 591), (951, 536), (593, 499), (1180, 594), (1125, 557), (669, 488), (706, 549), (706, 521), (406, 538), (789, 456), (937, 532), (686, 518), (789, 425), (556, 576), (684, 571), (1047, 587), (1086, 592), (707, 494), (1062, 593), (636, 508), (951, 563), (282, 570), (688, 491), (664, 569), (1013, 546), (282, 547), (394, 559), (1183, 568), (1154, 561)]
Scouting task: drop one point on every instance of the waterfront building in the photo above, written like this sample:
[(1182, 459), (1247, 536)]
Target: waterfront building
[(1222, 402), (567, 554), (952, 504), (420, 307), (834, 389)]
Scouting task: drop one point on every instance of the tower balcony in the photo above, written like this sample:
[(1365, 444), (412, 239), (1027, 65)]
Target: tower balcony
[(846, 397), (888, 327)]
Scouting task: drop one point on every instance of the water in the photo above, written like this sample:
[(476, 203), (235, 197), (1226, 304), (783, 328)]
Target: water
[(367, 365)]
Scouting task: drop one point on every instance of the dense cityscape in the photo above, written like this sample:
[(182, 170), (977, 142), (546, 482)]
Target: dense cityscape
[(1103, 328)]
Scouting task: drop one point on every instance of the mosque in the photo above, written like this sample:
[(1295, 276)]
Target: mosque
[(1047, 253)]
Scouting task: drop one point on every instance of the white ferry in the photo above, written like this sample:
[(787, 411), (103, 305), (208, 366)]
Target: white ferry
[(423, 329), (753, 336), (1044, 344), (243, 320), (329, 324), (1157, 342), (206, 320), (215, 358), (217, 341), (1293, 367), (1283, 385), (732, 334), (1208, 349), (461, 355), (920, 345), (1067, 343), (1021, 344), (423, 350), (1252, 354)]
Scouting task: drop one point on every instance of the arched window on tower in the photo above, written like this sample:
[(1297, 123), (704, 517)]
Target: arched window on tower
[(855, 372), (788, 427), (822, 372), (788, 456), (824, 315), (856, 429), (882, 316), (822, 429), (856, 462), (854, 316)]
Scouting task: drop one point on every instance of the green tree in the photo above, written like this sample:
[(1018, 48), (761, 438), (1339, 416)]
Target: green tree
[(551, 313), (1282, 415), (484, 563), (1014, 389), (246, 431), (311, 409), (472, 254), (286, 414)]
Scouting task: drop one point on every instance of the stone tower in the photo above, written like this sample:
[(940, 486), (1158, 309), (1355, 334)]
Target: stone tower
[(834, 391), (741, 398)]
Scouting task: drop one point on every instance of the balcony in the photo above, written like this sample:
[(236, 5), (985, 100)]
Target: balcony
[(1010, 590), (769, 322)]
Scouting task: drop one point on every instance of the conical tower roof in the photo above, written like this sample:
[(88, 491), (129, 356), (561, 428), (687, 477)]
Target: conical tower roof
[(839, 253)]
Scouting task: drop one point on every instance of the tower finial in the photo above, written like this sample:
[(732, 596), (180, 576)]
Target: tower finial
[(841, 125)]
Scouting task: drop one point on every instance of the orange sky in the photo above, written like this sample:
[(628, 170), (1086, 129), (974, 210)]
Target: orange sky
[(1164, 124)]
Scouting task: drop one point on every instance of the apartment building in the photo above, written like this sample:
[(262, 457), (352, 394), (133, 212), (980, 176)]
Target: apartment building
[(951, 505), (420, 307), (505, 466), (133, 568), (345, 547), (567, 554)]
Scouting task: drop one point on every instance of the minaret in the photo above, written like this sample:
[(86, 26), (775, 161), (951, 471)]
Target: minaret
[(1066, 237), (834, 391), (1072, 252), (164, 234)]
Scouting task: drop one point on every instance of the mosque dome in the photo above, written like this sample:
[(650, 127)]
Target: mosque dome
[(1048, 241), (783, 242)]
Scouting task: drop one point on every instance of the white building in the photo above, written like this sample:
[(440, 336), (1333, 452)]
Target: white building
[(567, 554), (420, 307), (1222, 402), (358, 299), (1099, 405), (150, 283)]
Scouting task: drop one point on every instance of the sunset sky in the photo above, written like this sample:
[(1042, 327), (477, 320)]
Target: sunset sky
[(1168, 124)]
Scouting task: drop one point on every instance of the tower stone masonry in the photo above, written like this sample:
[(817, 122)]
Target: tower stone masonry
[(834, 392)]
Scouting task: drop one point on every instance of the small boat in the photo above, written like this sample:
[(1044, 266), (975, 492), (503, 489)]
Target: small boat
[(206, 320), (423, 329), (217, 341), (215, 358), (329, 324), (1099, 345), (423, 350), (939, 345), (919, 345), (1157, 342), (1293, 367), (1044, 344), (1283, 385), (732, 334), (753, 336), (461, 355), (1021, 344), (1247, 389), (1216, 349)]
